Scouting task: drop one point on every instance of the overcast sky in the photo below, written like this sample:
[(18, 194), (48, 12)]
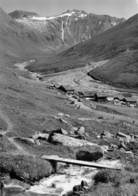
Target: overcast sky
[(119, 8)]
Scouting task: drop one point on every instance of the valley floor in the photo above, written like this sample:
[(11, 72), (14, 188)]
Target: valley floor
[(30, 105)]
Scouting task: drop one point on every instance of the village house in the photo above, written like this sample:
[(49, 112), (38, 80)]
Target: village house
[(66, 89), (117, 101), (101, 99), (131, 102), (110, 99), (94, 97), (123, 101)]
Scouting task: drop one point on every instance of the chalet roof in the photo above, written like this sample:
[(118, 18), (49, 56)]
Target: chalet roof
[(65, 88), (89, 93)]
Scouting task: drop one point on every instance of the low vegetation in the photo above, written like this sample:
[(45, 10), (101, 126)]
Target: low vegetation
[(24, 168), (113, 183), (28, 107)]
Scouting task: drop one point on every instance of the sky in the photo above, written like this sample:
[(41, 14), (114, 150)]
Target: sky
[(118, 8)]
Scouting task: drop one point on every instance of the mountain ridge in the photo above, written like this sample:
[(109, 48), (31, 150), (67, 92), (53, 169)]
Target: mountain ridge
[(113, 45), (19, 40), (103, 44), (22, 14), (122, 37), (72, 26)]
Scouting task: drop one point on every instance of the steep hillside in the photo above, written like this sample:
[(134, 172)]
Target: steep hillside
[(30, 107), (120, 44), (19, 40), (120, 71), (28, 35), (110, 43), (71, 27), (123, 69), (25, 33)]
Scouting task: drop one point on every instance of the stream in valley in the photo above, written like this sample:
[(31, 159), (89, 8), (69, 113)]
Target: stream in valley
[(64, 181), (67, 176)]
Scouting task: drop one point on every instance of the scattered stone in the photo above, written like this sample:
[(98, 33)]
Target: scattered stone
[(40, 136), (81, 130), (80, 133), (106, 134), (82, 187), (125, 137), (64, 132)]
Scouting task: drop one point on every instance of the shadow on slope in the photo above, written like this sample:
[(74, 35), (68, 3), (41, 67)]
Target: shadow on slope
[(121, 71)]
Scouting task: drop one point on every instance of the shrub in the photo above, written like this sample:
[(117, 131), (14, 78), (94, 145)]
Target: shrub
[(108, 176), (88, 156), (117, 178), (102, 176), (25, 168)]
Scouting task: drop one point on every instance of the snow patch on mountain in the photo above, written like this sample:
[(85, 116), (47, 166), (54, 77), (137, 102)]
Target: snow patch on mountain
[(79, 14), (70, 27), (113, 23)]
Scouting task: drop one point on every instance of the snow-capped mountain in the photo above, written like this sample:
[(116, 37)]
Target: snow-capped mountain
[(71, 27)]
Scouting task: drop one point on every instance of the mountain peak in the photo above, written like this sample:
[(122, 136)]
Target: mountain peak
[(22, 14), (75, 12)]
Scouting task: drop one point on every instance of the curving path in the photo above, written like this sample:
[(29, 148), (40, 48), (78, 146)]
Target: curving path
[(10, 126)]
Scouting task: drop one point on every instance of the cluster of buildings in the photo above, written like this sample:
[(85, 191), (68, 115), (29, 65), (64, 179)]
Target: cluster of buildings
[(130, 102), (127, 102), (97, 97)]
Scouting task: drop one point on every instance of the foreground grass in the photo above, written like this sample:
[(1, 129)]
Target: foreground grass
[(114, 183), (25, 168)]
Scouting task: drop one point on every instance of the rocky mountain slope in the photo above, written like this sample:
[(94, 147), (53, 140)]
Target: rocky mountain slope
[(25, 34), (72, 26), (122, 70), (19, 40), (29, 106), (110, 43), (119, 43), (40, 35), (22, 14)]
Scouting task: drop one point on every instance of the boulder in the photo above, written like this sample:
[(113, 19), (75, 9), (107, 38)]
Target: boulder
[(64, 132), (69, 141), (82, 187), (51, 136), (80, 133), (89, 156), (106, 134)]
